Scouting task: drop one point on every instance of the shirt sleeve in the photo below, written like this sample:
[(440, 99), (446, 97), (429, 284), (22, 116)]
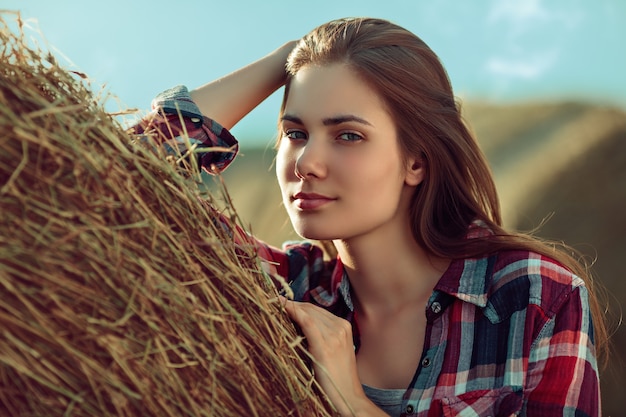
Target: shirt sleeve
[(562, 376), (175, 123)]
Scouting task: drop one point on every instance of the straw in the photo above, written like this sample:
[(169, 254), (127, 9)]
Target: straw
[(120, 293)]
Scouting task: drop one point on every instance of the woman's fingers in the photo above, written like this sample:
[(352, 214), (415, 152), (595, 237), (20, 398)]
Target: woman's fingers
[(325, 332), (330, 344)]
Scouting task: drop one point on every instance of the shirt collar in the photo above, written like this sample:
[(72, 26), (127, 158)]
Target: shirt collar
[(468, 279), (465, 279)]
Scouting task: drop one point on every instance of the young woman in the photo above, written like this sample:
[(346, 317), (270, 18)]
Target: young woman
[(430, 308)]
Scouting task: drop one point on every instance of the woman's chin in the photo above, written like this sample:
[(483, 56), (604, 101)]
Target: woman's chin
[(313, 233)]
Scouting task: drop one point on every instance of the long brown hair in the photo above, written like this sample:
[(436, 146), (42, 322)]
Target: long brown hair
[(458, 187)]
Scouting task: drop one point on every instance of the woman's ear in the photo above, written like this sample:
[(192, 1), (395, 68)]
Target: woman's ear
[(415, 171)]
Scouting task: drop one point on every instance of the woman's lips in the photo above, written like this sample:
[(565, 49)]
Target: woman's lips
[(310, 201)]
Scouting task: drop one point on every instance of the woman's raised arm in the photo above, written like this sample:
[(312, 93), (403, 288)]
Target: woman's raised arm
[(228, 99)]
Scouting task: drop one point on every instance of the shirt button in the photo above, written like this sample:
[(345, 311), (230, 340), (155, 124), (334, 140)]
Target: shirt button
[(426, 362), (435, 307), (410, 409)]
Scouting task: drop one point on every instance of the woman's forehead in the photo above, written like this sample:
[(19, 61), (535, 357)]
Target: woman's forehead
[(331, 90)]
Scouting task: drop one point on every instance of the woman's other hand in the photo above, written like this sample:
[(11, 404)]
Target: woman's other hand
[(331, 345)]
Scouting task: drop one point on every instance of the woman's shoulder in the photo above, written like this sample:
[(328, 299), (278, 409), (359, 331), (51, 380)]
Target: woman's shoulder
[(311, 275), (307, 258), (521, 278), (511, 265)]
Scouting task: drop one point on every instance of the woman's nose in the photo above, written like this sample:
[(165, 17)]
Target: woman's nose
[(310, 163)]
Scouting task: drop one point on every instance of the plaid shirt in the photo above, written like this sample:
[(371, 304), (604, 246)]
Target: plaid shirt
[(507, 334)]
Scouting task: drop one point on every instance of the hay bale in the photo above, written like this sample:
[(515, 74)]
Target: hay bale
[(119, 294)]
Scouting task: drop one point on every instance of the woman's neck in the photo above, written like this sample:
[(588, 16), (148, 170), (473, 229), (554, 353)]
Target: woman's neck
[(389, 272)]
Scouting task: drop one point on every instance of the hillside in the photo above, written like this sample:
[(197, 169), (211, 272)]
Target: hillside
[(566, 161)]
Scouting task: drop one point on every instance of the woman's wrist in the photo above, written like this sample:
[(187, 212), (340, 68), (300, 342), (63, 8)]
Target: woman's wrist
[(281, 55), (279, 61), (228, 99)]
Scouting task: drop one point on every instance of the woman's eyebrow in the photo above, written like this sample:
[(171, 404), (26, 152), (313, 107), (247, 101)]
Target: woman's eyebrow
[(329, 121), (337, 120), (291, 118)]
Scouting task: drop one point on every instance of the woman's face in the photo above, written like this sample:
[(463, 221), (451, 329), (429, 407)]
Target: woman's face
[(339, 164)]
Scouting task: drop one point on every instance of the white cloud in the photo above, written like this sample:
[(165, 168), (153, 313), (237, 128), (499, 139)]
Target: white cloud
[(528, 67), (521, 54), (517, 11), (522, 15)]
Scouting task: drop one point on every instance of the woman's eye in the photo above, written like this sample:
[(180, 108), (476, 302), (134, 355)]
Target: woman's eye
[(350, 137), (295, 134)]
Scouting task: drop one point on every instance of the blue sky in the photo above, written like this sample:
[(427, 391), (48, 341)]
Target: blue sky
[(496, 50)]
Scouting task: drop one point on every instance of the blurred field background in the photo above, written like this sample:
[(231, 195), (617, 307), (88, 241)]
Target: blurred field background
[(561, 165)]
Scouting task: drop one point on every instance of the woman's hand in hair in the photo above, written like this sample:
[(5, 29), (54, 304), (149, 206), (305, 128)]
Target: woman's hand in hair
[(330, 344), (229, 98)]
